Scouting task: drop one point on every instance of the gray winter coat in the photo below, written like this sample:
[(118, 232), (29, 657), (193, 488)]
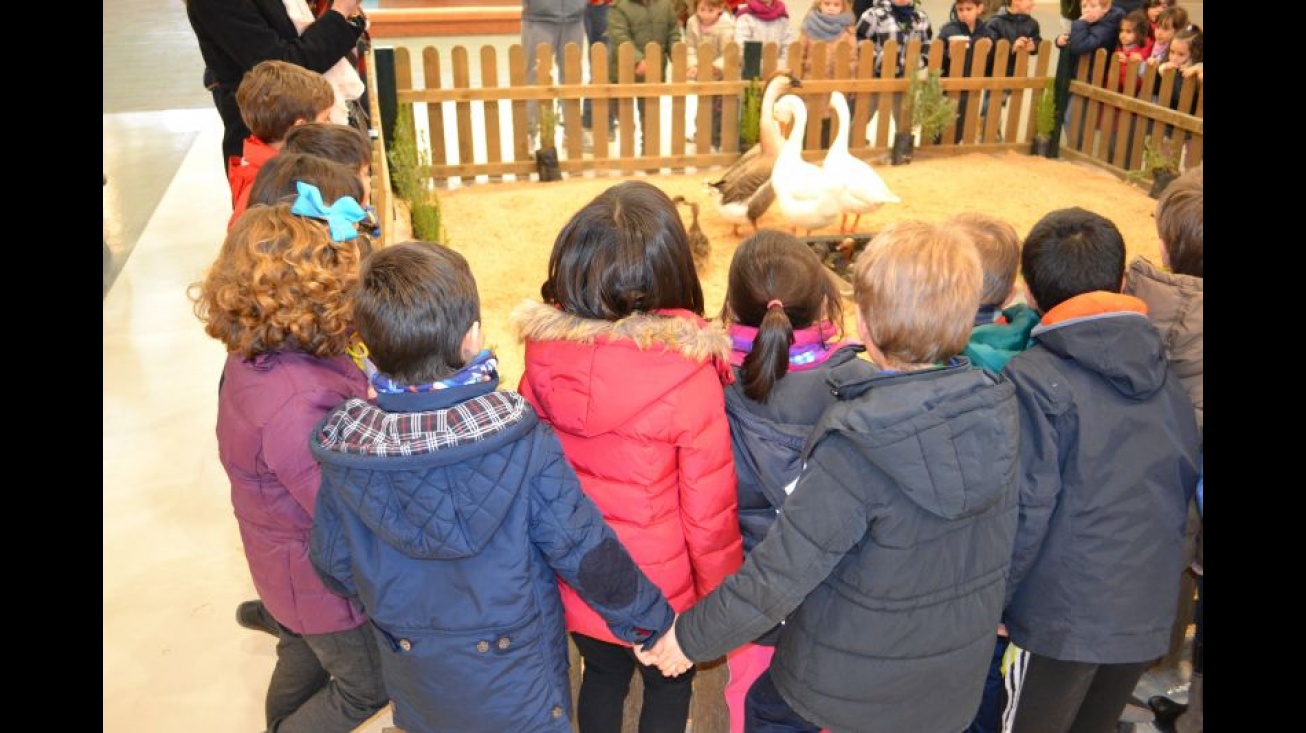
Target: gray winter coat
[(893, 549), (1109, 457)]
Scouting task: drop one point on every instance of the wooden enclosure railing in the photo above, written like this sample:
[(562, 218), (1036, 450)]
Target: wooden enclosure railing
[(478, 129)]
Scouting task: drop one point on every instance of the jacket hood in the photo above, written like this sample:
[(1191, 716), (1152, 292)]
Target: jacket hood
[(1109, 334), (591, 375), (946, 436), (413, 478)]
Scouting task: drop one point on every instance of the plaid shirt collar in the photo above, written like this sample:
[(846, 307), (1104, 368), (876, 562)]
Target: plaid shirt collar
[(361, 428)]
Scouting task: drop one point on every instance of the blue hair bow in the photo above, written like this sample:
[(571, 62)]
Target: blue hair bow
[(339, 216)]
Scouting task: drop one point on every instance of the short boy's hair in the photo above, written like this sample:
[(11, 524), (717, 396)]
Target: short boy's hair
[(1179, 222), (341, 143), (917, 287), (1070, 252), (415, 303), (276, 179), (998, 245), (274, 95), (714, 4)]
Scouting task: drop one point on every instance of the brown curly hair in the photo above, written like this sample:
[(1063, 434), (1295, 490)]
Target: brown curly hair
[(281, 283)]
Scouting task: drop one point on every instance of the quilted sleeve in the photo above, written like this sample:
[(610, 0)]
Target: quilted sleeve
[(583, 550), (709, 504), (328, 548)]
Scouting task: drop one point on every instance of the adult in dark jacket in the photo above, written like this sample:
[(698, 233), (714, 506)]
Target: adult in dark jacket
[(892, 551), (449, 510), (234, 35), (1109, 463)]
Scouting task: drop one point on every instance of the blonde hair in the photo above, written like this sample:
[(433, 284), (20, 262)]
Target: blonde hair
[(280, 282), (917, 287), (816, 5), (998, 245)]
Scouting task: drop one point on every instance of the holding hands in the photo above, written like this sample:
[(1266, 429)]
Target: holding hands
[(665, 655)]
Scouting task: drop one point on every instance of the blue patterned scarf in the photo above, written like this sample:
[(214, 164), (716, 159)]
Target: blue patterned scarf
[(482, 368), (822, 27)]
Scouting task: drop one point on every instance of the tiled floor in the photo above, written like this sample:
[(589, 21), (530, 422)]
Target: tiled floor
[(173, 569)]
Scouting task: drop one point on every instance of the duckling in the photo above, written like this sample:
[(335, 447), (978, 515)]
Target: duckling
[(698, 241), (743, 190), (863, 191)]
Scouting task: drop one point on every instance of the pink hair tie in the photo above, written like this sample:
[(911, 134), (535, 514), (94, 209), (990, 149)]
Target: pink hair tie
[(774, 303)]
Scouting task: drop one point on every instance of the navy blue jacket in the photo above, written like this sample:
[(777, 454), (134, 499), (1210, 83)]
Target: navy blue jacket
[(451, 515), (1109, 465)]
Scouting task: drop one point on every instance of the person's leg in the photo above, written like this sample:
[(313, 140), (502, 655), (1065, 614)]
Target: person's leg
[(767, 712), (1107, 696), (1045, 694), (297, 676), (604, 682), (666, 701), (532, 35), (354, 691), (745, 665), (989, 717)]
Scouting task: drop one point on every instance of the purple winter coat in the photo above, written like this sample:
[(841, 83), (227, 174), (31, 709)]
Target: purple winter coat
[(267, 409)]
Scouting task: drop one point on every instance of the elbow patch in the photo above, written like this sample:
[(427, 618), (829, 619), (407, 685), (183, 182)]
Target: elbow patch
[(608, 576)]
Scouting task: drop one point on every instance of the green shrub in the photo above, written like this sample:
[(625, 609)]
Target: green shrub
[(1045, 117), (750, 115), (408, 181)]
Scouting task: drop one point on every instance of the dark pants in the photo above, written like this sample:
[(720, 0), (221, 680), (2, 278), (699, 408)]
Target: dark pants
[(1056, 696), (765, 711), (234, 130), (994, 698), (606, 680), (325, 683), (596, 31)]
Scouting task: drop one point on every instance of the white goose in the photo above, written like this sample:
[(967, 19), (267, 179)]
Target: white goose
[(743, 191), (805, 195), (862, 189)]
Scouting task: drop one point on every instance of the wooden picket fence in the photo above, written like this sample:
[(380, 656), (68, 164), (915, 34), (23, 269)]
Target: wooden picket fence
[(493, 109)]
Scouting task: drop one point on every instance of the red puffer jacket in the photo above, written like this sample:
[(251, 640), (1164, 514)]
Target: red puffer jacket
[(640, 408)]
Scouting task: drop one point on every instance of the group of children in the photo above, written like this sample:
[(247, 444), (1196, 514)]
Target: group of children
[(847, 520)]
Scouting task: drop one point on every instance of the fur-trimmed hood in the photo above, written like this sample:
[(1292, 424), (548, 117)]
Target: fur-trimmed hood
[(574, 362)]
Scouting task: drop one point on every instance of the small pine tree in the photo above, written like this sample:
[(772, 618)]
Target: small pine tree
[(406, 162), (927, 106), (1045, 117), (750, 116)]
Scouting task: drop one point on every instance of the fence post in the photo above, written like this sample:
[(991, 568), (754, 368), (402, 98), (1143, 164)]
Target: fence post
[(386, 95)]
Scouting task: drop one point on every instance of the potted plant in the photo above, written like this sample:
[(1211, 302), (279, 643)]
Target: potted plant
[(410, 186), (750, 115), (1045, 121), (546, 155), (1160, 163), (925, 107)]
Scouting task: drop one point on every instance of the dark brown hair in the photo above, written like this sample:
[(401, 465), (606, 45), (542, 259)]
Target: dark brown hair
[(624, 252), (276, 179), (415, 303), (772, 266), (341, 143)]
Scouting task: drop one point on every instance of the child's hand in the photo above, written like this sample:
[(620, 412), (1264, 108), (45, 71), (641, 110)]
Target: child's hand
[(666, 655), (1062, 40), (640, 68), (691, 73), (1195, 69), (1023, 42)]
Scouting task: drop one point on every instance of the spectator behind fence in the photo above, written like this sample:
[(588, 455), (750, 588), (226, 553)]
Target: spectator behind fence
[(641, 22), (764, 21), (235, 35), (555, 23), (901, 21), (963, 22), (713, 25), (828, 22)]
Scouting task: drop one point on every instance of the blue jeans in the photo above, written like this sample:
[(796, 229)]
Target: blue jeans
[(325, 683), (765, 711)]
